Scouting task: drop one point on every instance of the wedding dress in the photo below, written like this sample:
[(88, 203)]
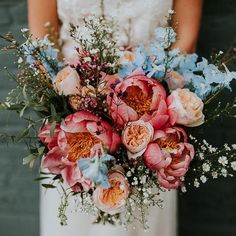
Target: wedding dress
[(137, 20)]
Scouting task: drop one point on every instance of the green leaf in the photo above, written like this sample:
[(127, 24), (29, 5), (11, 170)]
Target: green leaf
[(41, 178), (24, 93), (57, 177), (48, 186), (23, 110), (27, 160), (52, 129), (41, 150), (53, 112), (20, 136)]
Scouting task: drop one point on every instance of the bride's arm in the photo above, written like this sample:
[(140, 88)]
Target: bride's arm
[(188, 19), (40, 12)]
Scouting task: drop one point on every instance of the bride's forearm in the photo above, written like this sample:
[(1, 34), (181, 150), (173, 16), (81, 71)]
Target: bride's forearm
[(41, 12), (187, 20)]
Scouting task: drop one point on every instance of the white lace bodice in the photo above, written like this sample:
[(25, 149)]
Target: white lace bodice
[(136, 19)]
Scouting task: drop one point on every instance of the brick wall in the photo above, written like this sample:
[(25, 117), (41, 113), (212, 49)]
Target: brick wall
[(18, 190)]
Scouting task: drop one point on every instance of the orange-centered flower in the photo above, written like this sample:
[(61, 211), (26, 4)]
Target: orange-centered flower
[(136, 99), (80, 145), (113, 195), (169, 144), (136, 135)]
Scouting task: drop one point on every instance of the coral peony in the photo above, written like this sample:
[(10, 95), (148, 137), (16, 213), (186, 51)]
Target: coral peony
[(169, 155), (138, 97), (81, 136)]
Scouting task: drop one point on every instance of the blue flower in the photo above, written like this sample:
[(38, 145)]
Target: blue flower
[(165, 36), (188, 62), (42, 51), (96, 169), (126, 70)]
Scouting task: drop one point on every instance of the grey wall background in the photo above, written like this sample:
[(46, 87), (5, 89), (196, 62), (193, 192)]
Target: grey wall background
[(18, 190), (209, 211)]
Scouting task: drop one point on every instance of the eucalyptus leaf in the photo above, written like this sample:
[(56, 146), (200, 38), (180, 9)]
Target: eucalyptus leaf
[(48, 186), (28, 159), (41, 178), (23, 110), (53, 112)]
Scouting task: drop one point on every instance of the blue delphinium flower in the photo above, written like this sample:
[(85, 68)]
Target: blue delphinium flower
[(46, 54), (96, 168), (165, 36)]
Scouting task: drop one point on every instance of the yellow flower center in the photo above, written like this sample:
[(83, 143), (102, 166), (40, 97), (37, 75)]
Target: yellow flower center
[(169, 144), (80, 145), (136, 99)]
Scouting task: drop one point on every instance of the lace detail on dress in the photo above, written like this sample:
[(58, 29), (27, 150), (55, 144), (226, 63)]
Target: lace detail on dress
[(136, 19)]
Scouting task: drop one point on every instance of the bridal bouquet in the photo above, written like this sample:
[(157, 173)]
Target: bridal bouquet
[(116, 128)]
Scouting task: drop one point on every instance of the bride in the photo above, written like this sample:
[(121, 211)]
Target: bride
[(137, 20)]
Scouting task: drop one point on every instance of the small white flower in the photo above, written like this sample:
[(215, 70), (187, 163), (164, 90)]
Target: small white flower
[(226, 146), (201, 156), (20, 60), (233, 165), (234, 146), (87, 59), (128, 174), (183, 189), (24, 30), (171, 12), (223, 160), (224, 172), (145, 201), (144, 179), (94, 51), (214, 175), (206, 167), (196, 183), (203, 179)]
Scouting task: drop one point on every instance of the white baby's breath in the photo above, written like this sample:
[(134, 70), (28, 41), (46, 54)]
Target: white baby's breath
[(206, 167), (223, 160), (233, 165)]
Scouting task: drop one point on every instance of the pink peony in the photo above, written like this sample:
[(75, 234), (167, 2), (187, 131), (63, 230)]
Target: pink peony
[(56, 162), (113, 199), (82, 132), (80, 136), (138, 97), (170, 156), (136, 136), (186, 108)]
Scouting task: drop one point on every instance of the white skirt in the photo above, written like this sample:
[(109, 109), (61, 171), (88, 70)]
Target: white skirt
[(162, 222)]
